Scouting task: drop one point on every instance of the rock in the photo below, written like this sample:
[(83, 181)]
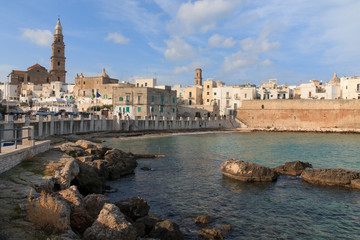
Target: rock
[(330, 177), (166, 230), (110, 224), (101, 167), (247, 171), (211, 234), (140, 229), (85, 158), (93, 148), (67, 235), (79, 217), (202, 220), (292, 168), (145, 168), (226, 228), (149, 221), (67, 174), (134, 208), (72, 196), (94, 203), (72, 149), (355, 183), (119, 163), (88, 180)]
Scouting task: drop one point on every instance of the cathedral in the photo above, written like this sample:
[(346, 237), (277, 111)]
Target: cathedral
[(38, 74)]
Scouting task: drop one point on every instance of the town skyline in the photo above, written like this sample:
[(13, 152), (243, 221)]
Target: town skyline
[(232, 41)]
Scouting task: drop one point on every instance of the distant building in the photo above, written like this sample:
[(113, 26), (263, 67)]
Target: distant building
[(38, 74), (350, 87), (271, 90), (145, 82), (138, 102)]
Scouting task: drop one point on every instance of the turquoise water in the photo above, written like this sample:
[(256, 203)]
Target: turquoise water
[(188, 182)]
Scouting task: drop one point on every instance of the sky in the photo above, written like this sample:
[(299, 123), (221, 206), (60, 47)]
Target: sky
[(235, 41)]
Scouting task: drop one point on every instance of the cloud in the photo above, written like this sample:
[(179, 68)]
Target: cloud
[(178, 49), (250, 53), (201, 16), (117, 38), (37, 36), (189, 68), (219, 41), (130, 11)]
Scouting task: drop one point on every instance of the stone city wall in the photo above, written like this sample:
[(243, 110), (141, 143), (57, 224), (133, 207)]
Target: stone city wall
[(300, 114)]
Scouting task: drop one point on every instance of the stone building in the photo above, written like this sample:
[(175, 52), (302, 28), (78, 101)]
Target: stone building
[(38, 74), (138, 102), (57, 72), (350, 87)]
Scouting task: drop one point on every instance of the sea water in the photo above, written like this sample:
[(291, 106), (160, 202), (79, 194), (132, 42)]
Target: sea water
[(188, 182)]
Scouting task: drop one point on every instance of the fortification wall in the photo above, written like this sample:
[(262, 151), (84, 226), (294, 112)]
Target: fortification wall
[(301, 114)]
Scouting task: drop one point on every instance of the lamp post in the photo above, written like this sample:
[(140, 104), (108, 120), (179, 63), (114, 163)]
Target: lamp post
[(7, 94)]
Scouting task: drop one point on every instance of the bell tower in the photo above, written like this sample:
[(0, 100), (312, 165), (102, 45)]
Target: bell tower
[(57, 72), (198, 77)]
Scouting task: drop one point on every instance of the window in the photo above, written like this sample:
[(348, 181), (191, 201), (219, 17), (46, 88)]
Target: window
[(137, 84), (208, 86), (139, 109), (83, 93), (127, 99), (207, 93), (84, 82), (161, 110), (53, 86), (119, 109), (215, 93), (152, 99), (309, 94), (58, 63), (173, 110), (190, 102), (358, 87), (139, 99), (245, 95), (58, 51), (28, 78), (162, 99), (142, 85), (173, 100), (58, 78), (146, 84), (189, 94), (179, 94), (121, 99), (208, 100), (127, 109), (152, 109)]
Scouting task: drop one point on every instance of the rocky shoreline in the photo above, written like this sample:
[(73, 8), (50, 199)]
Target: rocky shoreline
[(251, 172)]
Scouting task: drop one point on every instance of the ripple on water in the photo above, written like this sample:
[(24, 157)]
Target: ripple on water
[(188, 182)]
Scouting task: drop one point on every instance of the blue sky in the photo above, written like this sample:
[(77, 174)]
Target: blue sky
[(235, 41)]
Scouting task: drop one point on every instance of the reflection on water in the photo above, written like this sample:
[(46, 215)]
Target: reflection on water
[(188, 182)]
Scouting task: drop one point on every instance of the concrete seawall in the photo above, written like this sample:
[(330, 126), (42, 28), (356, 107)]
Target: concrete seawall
[(55, 125), (11, 157)]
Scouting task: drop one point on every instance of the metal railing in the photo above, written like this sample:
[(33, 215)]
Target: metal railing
[(16, 135)]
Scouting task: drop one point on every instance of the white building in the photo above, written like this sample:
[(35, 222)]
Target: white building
[(145, 82), (271, 90), (55, 104), (350, 87), (8, 92), (229, 98), (312, 90)]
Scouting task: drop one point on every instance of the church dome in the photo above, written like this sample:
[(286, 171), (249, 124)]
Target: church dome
[(58, 28), (103, 74), (334, 80)]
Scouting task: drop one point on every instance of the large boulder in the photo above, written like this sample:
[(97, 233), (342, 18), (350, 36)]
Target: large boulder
[(166, 230), (92, 148), (119, 163), (149, 222), (292, 168), (331, 177), (67, 174), (110, 224), (134, 208), (210, 234), (88, 180), (79, 217), (73, 149), (355, 183), (247, 171), (94, 203)]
